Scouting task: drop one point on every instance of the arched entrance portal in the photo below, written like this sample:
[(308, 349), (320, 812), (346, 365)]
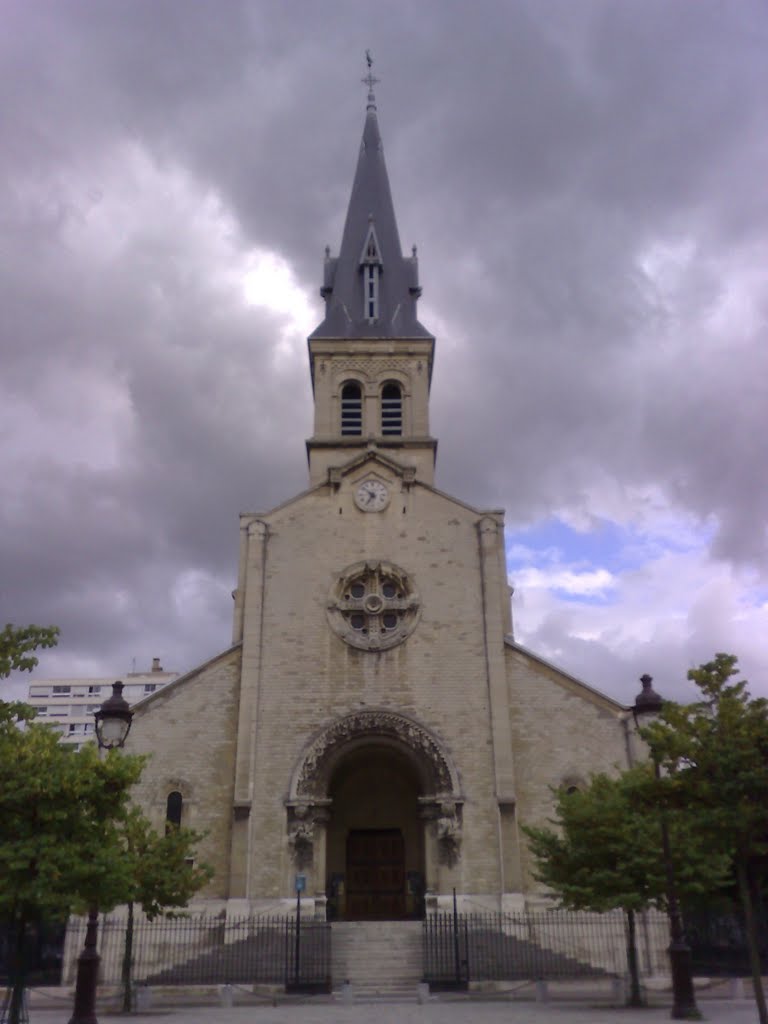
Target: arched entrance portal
[(375, 837), (373, 812)]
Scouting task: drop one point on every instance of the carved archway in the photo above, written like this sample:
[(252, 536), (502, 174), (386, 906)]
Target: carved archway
[(313, 771), (309, 796)]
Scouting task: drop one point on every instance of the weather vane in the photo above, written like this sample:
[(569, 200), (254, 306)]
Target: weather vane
[(369, 79)]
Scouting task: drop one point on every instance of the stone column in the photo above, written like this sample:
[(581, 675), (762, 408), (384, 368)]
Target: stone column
[(431, 864), (495, 594), (321, 818), (250, 596)]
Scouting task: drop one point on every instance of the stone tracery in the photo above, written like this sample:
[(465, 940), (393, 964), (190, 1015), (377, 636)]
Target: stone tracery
[(373, 605)]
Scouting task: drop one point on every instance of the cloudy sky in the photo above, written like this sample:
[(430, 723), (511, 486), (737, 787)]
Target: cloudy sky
[(586, 182)]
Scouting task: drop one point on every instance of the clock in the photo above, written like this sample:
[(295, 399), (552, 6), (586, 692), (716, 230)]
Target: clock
[(371, 496)]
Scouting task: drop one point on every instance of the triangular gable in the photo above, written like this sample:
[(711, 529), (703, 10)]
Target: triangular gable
[(140, 705), (368, 457), (568, 681), (337, 473), (371, 251)]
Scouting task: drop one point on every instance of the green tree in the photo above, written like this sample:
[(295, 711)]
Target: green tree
[(714, 755), (60, 812), (604, 852), (70, 839), (18, 644), (163, 877)]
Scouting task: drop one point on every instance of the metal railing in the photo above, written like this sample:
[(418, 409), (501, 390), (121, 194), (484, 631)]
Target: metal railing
[(547, 945), (541, 945), (41, 953), (204, 950), (718, 941)]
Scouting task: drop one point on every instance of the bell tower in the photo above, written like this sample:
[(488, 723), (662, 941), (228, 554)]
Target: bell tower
[(370, 358)]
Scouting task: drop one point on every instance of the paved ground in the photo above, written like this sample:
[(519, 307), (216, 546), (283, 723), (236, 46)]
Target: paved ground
[(432, 1012)]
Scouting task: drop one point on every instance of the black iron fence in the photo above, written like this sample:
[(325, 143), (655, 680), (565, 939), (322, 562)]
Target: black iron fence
[(718, 942), (40, 954), (457, 948), (547, 945), (204, 950)]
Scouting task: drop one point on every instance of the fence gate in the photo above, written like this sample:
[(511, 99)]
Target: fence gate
[(446, 951)]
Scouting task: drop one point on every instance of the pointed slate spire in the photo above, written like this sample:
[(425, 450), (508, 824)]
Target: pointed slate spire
[(370, 288)]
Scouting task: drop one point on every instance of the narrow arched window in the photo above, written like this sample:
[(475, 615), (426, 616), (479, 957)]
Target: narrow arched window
[(371, 297), (351, 409), (391, 409), (371, 263), (173, 808)]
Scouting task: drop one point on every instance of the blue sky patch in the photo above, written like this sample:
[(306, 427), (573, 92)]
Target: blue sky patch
[(552, 542)]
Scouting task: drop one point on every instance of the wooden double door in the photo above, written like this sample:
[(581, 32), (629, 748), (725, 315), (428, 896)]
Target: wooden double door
[(375, 875)]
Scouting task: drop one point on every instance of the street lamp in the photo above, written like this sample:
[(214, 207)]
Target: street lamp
[(113, 723), (113, 720), (646, 708)]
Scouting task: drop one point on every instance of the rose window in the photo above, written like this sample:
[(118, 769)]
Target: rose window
[(373, 606)]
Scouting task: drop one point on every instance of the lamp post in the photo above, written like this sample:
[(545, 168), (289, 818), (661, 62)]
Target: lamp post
[(646, 708), (113, 723)]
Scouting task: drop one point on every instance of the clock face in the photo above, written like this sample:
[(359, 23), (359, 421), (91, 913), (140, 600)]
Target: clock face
[(371, 496)]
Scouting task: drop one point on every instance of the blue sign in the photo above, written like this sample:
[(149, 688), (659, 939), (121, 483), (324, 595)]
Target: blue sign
[(301, 883)]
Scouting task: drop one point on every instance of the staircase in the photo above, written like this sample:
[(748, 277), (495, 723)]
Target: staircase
[(380, 959)]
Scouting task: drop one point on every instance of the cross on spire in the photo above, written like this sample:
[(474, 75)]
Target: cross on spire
[(369, 79)]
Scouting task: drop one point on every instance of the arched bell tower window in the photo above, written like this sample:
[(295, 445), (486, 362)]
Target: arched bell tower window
[(173, 808), (351, 409), (391, 409)]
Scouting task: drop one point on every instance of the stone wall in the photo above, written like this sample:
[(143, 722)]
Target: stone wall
[(188, 730), (562, 733)]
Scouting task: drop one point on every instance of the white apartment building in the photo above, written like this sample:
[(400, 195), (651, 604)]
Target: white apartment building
[(70, 703)]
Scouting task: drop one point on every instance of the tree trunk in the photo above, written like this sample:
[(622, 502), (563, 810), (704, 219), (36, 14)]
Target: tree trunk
[(128, 963), (17, 975), (752, 938), (635, 997)]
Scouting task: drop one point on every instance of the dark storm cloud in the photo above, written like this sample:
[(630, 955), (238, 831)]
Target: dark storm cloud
[(548, 159)]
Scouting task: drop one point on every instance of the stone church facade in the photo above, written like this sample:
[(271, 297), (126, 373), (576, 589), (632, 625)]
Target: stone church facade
[(374, 727)]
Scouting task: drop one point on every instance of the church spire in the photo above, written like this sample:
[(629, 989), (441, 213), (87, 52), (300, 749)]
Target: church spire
[(370, 288)]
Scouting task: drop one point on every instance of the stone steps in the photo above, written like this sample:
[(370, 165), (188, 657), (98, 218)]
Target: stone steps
[(377, 958)]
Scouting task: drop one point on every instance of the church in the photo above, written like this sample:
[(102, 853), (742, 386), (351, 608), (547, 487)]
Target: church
[(374, 735)]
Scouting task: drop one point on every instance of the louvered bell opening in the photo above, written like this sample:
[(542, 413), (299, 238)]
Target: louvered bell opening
[(351, 410), (391, 410)]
